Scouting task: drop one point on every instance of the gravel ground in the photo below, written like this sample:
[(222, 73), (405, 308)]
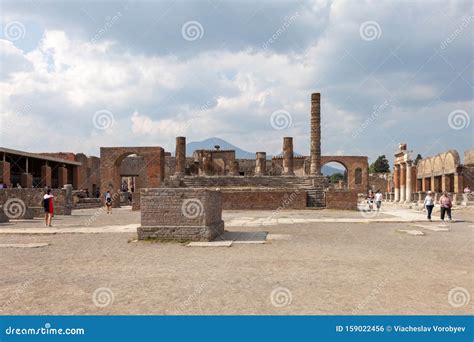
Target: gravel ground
[(321, 268)]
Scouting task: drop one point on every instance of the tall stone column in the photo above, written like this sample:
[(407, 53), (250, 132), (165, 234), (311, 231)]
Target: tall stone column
[(62, 177), (396, 182), (46, 176), (409, 185), (288, 156), (260, 163), (180, 156), (403, 181), (315, 167)]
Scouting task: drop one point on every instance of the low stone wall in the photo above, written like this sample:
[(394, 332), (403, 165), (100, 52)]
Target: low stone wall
[(263, 199), (136, 200), (180, 214), (341, 199), (29, 202)]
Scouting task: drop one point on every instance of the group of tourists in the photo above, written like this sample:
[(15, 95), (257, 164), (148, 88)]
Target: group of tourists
[(376, 199), (445, 204)]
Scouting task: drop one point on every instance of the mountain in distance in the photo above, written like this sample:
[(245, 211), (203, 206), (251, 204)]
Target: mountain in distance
[(208, 144)]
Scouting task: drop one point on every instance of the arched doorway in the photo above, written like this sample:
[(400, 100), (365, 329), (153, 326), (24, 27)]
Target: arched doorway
[(336, 174), (111, 160), (357, 168)]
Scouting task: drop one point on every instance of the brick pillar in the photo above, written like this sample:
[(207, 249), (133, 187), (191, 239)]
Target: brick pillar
[(26, 180), (315, 168), (5, 173), (409, 185), (62, 176), (180, 156), (396, 181), (403, 181), (432, 184), (45, 175), (260, 163), (288, 156)]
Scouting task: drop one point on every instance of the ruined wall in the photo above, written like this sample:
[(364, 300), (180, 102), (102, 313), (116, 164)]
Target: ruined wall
[(378, 181), (342, 199), (469, 157), (299, 164), (32, 197), (263, 199)]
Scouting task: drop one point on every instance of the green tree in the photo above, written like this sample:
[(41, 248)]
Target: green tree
[(336, 177), (380, 165), (418, 158)]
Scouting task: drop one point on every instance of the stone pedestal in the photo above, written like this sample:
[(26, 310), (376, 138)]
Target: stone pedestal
[(5, 173), (260, 163), (62, 176), (315, 166), (68, 200), (180, 156), (181, 214), (46, 176), (288, 156), (26, 180)]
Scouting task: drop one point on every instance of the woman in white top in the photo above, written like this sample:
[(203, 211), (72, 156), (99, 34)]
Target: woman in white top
[(429, 204)]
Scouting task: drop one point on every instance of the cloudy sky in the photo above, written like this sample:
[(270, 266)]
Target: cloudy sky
[(75, 76)]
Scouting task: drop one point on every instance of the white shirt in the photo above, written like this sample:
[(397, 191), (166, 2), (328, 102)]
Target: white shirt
[(378, 197), (428, 200)]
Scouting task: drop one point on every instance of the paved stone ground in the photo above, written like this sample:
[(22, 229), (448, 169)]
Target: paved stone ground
[(321, 265)]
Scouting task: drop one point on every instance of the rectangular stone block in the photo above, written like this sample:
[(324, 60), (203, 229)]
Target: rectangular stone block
[(45, 175), (26, 180), (5, 172), (180, 214)]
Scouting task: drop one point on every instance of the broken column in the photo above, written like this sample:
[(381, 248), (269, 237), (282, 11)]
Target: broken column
[(288, 156), (315, 167), (260, 163), (180, 156), (5, 173), (26, 180)]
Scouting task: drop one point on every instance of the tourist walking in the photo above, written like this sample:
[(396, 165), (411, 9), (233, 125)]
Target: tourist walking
[(108, 202), (378, 199), (445, 204), (428, 204), (370, 200), (48, 208)]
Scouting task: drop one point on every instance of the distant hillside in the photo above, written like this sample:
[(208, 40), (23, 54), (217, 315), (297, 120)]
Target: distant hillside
[(208, 144)]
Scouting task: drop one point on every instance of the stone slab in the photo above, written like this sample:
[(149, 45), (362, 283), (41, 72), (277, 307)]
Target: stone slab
[(210, 244), (278, 237), (411, 231), (23, 245)]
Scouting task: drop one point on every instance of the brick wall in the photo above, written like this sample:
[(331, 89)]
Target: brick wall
[(341, 199), (33, 198), (180, 214), (263, 199)]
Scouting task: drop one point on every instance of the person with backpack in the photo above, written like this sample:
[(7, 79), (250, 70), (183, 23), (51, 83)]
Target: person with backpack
[(48, 208), (108, 202)]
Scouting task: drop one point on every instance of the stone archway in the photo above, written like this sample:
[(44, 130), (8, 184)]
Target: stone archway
[(357, 170), (111, 159)]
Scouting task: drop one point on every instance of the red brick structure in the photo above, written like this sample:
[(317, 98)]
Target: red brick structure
[(341, 199), (263, 199), (111, 158), (357, 170)]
